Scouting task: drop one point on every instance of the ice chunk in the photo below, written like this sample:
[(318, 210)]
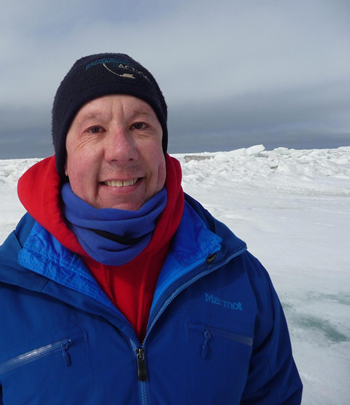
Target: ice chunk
[(255, 150)]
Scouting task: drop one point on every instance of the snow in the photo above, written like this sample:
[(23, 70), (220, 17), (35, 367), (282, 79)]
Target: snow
[(292, 207)]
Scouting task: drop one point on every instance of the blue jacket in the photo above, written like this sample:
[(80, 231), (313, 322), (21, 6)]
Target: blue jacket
[(216, 333)]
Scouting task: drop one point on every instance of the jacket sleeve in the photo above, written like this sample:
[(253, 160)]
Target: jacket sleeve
[(273, 377)]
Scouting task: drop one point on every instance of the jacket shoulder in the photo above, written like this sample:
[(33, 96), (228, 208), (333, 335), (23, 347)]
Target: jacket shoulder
[(229, 239), (10, 269), (18, 237), (204, 214), (24, 227)]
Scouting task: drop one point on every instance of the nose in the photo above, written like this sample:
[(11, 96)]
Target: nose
[(120, 146)]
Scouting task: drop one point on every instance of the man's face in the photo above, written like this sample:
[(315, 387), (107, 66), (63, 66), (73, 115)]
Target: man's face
[(114, 153)]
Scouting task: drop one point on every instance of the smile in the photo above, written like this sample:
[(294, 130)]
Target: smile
[(118, 183)]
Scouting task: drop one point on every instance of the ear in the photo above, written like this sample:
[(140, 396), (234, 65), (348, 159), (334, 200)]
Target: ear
[(66, 169)]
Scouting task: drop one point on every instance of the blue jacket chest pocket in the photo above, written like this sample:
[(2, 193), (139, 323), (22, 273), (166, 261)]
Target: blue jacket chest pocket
[(219, 359), (62, 346), (49, 372), (212, 334)]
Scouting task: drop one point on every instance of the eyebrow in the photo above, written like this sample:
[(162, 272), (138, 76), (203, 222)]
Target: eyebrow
[(88, 116), (96, 114), (144, 112)]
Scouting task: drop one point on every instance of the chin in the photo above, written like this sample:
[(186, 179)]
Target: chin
[(123, 206)]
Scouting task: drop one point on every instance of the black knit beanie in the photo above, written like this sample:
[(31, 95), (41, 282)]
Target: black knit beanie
[(99, 75)]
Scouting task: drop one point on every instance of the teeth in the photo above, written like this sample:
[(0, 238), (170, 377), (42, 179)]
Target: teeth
[(118, 183)]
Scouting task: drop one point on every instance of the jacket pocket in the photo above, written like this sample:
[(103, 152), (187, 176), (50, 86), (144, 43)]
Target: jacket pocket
[(218, 361), (209, 332), (62, 346)]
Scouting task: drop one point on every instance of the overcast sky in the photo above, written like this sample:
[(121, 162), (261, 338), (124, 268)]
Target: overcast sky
[(234, 73)]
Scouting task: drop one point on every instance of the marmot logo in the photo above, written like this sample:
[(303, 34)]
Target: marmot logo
[(226, 304)]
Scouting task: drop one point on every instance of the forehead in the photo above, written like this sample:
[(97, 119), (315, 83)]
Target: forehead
[(110, 104)]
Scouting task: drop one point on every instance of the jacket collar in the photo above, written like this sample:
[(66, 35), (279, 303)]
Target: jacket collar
[(47, 258), (45, 255), (45, 265)]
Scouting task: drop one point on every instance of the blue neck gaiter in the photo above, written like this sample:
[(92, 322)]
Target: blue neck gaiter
[(111, 236)]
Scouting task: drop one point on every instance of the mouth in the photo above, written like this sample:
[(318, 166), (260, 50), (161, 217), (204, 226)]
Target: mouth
[(119, 183)]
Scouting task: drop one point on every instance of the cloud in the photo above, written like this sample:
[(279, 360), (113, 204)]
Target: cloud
[(310, 117), (227, 64)]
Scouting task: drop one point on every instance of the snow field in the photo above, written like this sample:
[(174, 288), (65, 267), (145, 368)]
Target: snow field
[(292, 207)]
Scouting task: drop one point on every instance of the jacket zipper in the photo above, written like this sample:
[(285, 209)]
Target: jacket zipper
[(141, 371), (26, 358), (207, 336), (141, 364), (140, 351)]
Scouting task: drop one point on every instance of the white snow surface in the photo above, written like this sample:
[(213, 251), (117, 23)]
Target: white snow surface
[(292, 207)]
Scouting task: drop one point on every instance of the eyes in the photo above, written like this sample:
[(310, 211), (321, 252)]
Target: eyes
[(96, 129), (139, 125)]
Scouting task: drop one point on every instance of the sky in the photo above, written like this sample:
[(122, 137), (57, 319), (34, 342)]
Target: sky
[(234, 73)]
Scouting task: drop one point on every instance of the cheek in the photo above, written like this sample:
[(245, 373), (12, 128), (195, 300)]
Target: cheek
[(79, 155), (161, 175), (67, 167), (80, 178), (72, 167), (77, 162)]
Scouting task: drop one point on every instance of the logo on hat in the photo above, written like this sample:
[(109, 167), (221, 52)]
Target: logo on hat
[(128, 75), (118, 64)]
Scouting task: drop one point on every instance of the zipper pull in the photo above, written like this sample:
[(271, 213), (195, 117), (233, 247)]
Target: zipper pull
[(205, 344), (65, 354), (141, 364)]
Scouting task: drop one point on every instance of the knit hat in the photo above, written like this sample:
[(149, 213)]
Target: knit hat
[(99, 75)]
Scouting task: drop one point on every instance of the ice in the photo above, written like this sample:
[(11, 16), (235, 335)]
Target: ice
[(292, 207), (227, 156)]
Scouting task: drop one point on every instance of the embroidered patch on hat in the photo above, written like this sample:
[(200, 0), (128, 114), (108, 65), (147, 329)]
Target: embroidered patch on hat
[(118, 67)]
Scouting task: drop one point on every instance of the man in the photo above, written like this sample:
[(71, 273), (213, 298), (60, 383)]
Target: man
[(117, 288)]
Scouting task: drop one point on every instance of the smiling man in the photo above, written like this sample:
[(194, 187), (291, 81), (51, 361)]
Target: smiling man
[(120, 139), (116, 287)]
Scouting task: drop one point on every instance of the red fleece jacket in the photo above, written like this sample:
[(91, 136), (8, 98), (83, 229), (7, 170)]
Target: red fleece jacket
[(131, 286)]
